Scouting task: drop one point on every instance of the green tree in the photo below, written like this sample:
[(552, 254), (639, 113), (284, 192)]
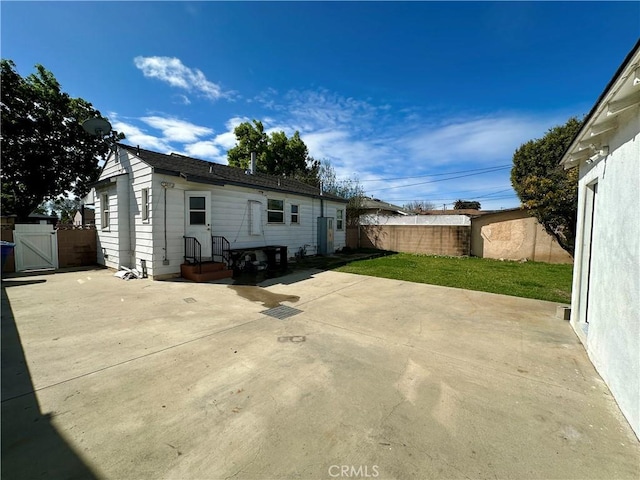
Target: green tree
[(45, 151), (276, 154), (466, 204), (544, 187), (66, 208)]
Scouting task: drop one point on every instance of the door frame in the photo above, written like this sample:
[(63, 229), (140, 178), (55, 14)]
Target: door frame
[(202, 232)]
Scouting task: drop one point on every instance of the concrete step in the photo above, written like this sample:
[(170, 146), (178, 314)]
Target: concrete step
[(208, 272)]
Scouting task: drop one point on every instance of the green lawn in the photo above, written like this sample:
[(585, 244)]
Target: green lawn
[(543, 281)]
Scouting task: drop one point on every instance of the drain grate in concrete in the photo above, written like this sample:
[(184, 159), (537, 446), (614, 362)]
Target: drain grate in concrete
[(281, 312), (189, 300)]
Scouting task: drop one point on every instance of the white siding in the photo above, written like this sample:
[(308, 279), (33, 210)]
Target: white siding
[(230, 207), (613, 333), (108, 252), (230, 218), (128, 240), (175, 223)]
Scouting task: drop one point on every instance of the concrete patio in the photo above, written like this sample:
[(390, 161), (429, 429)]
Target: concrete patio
[(368, 378)]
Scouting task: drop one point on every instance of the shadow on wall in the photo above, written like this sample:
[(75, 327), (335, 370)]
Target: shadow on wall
[(31, 445)]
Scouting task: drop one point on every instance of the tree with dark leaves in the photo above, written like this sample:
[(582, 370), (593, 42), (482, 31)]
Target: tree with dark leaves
[(544, 187), (46, 154), (276, 154)]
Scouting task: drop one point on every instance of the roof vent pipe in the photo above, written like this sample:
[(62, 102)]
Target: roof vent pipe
[(252, 166)]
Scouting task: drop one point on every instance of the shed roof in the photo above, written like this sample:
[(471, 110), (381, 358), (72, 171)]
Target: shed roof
[(202, 171)]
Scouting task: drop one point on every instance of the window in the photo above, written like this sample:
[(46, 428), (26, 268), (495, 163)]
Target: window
[(295, 214), (339, 219), (145, 204), (104, 213), (197, 211), (275, 211)]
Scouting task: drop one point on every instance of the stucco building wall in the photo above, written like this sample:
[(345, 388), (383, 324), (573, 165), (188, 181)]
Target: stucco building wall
[(514, 235), (606, 280)]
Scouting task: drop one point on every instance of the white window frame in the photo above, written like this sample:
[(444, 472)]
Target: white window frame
[(272, 210), (145, 205), (105, 212), (339, 219), (295, 214)]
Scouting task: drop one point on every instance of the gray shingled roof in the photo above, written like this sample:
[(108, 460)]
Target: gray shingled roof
[(202, 171)]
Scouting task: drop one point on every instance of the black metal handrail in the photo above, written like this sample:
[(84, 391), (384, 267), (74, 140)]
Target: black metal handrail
[(193, 252), (220, 247)]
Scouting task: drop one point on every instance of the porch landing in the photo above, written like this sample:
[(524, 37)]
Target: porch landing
[(205, 272)]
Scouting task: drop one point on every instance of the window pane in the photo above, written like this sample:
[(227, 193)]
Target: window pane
[(294, 208), (275, 204), (196, 218), (275, 217), (196, 203)]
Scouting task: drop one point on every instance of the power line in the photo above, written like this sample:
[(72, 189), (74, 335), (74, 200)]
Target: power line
[(439, 180), (434, 174), (454, 193)]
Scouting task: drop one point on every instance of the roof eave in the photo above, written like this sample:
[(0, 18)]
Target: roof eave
[(601, 122)]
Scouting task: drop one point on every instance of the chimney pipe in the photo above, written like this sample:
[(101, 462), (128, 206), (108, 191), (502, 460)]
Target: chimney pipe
[(252, 166)]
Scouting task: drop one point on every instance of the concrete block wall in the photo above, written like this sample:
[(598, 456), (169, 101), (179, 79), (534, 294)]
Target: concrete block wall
[(453, 240)]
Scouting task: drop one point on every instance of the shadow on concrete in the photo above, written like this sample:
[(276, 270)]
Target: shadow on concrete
[(31, 444), (307, 267), (35, 273)]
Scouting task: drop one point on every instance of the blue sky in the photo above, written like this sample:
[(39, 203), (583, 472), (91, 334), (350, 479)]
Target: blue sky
[(403, 96)]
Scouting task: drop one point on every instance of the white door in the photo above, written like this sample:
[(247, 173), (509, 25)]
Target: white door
[(36, 247), (198, 219)]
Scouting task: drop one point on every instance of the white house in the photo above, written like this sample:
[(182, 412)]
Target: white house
[(147, 203), (605, 304)]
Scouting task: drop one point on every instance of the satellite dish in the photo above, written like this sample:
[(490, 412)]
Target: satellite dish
[(98, 127)]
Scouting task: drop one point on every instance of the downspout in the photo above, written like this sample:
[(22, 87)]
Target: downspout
[(165, 186), (164, 258)]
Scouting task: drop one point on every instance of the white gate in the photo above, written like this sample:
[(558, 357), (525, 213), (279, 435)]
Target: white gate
[(36, 247)]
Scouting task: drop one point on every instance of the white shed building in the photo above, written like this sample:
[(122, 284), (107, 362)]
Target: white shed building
[(147, 204), (605, 304)]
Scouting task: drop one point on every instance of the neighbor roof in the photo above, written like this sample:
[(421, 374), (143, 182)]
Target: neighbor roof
[(202, 171), (374, 203)]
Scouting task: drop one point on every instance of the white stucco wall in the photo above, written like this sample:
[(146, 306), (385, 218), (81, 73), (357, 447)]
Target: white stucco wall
[(612, 306), (433, 220)]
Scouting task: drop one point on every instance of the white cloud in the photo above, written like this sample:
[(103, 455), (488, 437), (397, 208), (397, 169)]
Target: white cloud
[(172, 71), (183, 99), (479, 140), (205, 149), (136, 136), (226, 140), (175, 130)]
